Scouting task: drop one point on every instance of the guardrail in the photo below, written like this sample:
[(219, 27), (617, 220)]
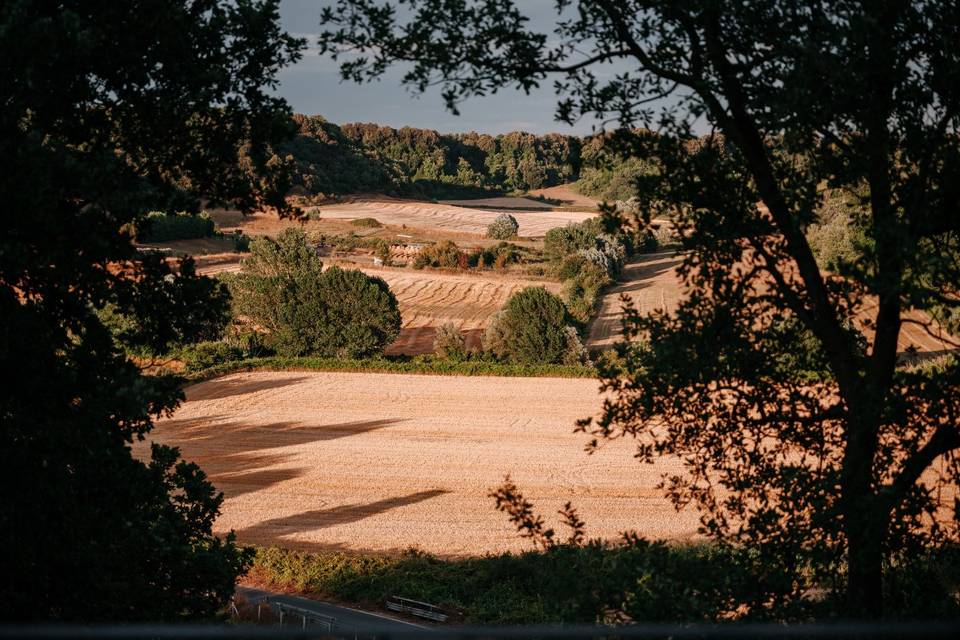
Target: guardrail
[(416, 608)]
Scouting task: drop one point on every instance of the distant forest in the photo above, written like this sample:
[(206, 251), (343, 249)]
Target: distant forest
[(354, 158)]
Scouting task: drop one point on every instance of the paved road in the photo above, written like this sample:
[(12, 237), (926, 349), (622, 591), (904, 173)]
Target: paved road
[(343, 620)]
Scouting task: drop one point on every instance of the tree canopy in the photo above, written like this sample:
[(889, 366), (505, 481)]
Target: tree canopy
[(753, 112), (112, 110), (336, 313)]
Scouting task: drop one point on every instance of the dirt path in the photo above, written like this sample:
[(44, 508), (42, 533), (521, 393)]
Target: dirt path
[(650, 282), (385, 462)]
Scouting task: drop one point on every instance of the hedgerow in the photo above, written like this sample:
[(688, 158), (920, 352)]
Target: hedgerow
[(161, 227), (425, 365)]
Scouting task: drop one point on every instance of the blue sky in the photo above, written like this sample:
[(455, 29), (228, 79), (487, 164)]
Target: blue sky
[(313, 86)]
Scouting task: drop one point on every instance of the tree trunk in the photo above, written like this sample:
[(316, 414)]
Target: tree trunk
[(864, 562), (865, 524)]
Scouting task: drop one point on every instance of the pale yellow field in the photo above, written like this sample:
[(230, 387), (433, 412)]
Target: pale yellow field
[(426, 215), (385, 462)]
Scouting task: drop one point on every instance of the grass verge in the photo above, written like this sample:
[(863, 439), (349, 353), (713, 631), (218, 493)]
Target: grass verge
[(421, 365)]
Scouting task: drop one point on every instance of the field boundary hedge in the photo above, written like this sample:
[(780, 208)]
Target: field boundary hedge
[(376, 365)]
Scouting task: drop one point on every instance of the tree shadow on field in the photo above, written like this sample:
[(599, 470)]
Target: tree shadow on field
[(226, 387), (275, 530), (240, 457)]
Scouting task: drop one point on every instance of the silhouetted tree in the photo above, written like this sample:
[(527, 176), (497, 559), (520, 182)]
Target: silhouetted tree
[(111, 110), (845, 469)]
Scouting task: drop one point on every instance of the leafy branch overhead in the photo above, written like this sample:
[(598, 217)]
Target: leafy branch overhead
[(531, 525), (780, 384)]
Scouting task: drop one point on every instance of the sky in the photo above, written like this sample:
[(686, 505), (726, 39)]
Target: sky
[(313, 87)]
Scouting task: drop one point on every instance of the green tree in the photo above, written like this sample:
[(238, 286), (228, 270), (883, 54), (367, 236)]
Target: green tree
[(308, 311), (111, 110), (530, 328), (861, 97)]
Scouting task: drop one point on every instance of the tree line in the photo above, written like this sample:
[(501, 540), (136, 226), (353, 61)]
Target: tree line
[(350, 158)]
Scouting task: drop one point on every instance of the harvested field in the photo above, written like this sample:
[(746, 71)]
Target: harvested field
[(566, 194), (362, 461), (429, 299), (503, 202), (449, 218)]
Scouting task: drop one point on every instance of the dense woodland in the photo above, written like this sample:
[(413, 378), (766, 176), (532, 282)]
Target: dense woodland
[(352, 158)]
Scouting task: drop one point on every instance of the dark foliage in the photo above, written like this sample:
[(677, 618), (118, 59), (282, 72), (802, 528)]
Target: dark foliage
[(160, 227), (111, 110), (353, 158), (861, 98)]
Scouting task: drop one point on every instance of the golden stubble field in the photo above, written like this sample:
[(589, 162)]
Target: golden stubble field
[(384, 462)]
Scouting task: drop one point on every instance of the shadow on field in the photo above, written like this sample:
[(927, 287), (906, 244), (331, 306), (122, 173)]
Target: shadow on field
[(273, 531), (226, 387), (240, 457)]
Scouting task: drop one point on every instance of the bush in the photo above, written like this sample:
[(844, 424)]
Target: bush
[(308, 311), (499, 257), (241, 242), (370, 223), (582, 291), (160, 227), (647, 242), (449, 343), (204, 355), (444, 254), (636, 580), (562, 241), (382, 251), (530, 328), (575, 353), (503, 227), (571, 266)]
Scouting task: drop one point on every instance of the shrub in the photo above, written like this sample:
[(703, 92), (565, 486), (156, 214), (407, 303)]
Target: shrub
[(665, 235), (571, 266), (204, 355), (500, 256), (647, 242), (241, 242), (449, 343), (575, 353), (562, 241), (444, 254), (369, 223), (382, 251), (503, 227), (582, 291), (530, 328), (161, 227), (308, 311)]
